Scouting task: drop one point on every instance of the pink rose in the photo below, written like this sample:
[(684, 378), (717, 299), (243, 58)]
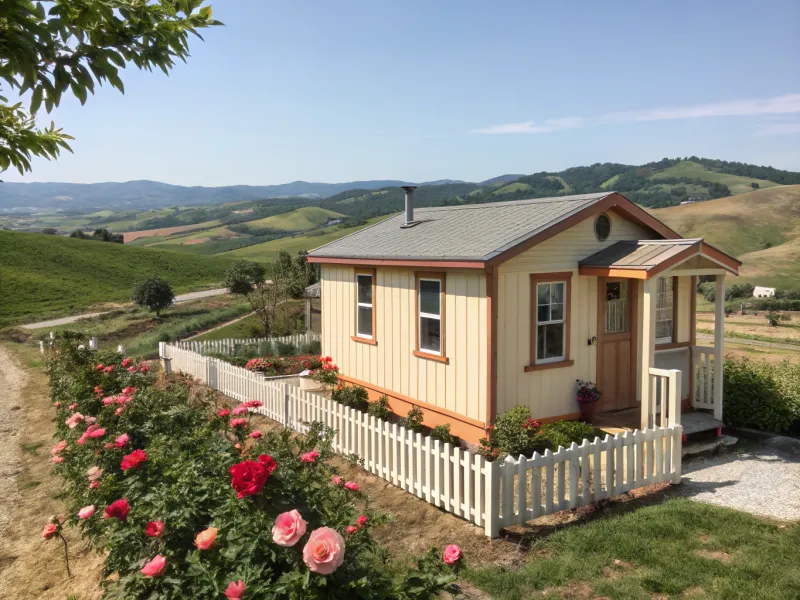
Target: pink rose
[(155, 567), (451, 554), (57, 404), (73, 406), (255, 435), (309, 457), (288, 529), (324, 551), (128, 390), (352, 486), (94, 473), (154, 529), (118, 412), (73, 420), (108, 400), (100, 367), (126, 362), (361, 521), (351, 529), (86, 512), (94, 485), (235, 590), (89, 420), (238, 422), (58, 459), (96, 433), (108, 369), (131, 369), (205, 539), (254, 404), (223, 412), (59, 447), (49, 530), (143, 368), (240, 410), (121, 441), (336, 480)]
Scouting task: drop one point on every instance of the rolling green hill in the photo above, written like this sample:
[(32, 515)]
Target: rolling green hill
[(737, 184), (761, 228), (45, 275), (300, 219)]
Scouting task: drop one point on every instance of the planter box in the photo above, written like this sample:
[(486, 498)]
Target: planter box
[(309, 385)]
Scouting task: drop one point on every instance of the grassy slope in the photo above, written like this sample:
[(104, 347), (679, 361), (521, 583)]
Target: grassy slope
[(736, 183), (511, 187), (300, 219), (761, 228), (42, 275), (268, 250)]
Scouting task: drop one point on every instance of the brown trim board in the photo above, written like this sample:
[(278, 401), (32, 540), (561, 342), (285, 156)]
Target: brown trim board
[(535, 279), (374, 274)]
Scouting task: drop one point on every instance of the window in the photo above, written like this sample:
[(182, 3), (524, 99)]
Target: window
[(602, 227), (365, 307), (430, 316), (617, 306), (665, 310), (550, 307)]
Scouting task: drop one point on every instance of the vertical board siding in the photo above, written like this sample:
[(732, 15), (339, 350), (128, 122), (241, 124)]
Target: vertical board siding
[(459, 386), (550, 393), (491, 495)]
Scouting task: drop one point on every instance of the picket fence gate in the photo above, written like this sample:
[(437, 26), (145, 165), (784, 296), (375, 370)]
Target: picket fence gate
[(489, 494), (230, 346)]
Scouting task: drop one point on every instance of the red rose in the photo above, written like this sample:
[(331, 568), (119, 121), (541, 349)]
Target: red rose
[(118, 509), (154, 529), (133, 460), (249, 477), (223, 412), (268, 462)]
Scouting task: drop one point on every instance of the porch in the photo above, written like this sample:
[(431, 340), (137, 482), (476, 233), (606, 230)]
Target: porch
[(649, 375)]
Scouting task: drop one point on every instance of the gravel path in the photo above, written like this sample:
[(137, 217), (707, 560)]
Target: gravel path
[(67, 320), (12, 378), (753, 478)]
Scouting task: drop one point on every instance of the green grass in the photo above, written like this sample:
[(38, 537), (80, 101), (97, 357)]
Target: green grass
[(752, 336), (736, 183), (268, 250), (666, 551), (299, 219), (511, 187), (180, 239), (249, 327), (608, 183), (43, 276)]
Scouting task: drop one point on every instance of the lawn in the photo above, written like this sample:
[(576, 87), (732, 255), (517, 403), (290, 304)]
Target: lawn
[(43, 276), (299, 219), (736, 183), (268, 250), (677, 549), (249, 327)]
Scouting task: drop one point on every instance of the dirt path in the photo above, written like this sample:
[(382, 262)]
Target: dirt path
[(31, 567), (67, 320), (220, 326)]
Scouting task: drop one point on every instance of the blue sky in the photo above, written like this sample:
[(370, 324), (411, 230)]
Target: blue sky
[(337, 91)]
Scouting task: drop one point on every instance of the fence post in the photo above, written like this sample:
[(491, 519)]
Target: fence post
[(492, 500), (285, 415), (677, 442), (41, 346), (166, 365), (93, 343), (675, 392), (121, 348)]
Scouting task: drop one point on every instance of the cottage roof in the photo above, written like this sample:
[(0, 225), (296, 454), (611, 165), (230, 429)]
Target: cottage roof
[(476, 232)]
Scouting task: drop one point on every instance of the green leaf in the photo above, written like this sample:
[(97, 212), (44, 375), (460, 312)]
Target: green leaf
[(205, 12), (36, 98)]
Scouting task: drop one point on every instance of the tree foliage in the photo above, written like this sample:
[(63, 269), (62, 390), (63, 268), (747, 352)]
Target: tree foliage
[(154, 293), (74, 45)]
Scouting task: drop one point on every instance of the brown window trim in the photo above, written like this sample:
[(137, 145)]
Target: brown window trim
[(537, 278), (355, 337), (419, 353)]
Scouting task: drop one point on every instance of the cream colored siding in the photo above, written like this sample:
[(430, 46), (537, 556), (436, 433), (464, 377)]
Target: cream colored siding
[(551, 392), (459, 386), (685, 292)]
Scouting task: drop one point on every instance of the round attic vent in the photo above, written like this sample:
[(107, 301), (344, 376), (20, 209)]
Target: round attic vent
[(602, 227)]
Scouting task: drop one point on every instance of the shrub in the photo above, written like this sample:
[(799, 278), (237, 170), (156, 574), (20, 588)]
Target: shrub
[(760, 394), (276, 365), (442, 433), (153, 293), (413, 421), (282, 349), (312, 347), (562, 433), (166, 467), (380, 408), (353, 396)]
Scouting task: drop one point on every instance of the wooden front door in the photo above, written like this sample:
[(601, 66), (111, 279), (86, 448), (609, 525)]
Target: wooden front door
[(616, 343)]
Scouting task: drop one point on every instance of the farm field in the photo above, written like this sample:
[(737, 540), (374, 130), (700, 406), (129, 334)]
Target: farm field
[(47, 276), (761, 228), (165, 231), (268, 250), (301, 219), (754, 327), (736, 183)]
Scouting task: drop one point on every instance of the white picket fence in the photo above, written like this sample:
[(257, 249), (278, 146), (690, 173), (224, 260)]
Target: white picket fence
[(491, 495), (230, 346)]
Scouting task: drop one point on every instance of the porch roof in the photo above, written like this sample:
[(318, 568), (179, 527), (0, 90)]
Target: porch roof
[(643, 259)]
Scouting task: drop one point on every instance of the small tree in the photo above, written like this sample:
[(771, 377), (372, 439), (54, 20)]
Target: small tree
[(78, 234), (153, 293)]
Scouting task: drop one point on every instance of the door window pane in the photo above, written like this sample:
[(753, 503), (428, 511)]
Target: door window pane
[(617, 306)]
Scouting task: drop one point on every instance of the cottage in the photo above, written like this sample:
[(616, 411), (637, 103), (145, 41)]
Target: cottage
[(763, 292), (467, 311)]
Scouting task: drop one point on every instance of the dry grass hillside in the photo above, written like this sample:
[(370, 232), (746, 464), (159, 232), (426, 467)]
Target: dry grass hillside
[(761, 228)]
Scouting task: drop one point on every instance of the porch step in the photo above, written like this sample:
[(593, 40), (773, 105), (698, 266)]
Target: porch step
[(699, 421), (708, 445)]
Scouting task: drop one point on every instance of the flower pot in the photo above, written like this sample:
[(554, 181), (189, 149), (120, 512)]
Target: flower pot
[(588, 409), (309, 385)]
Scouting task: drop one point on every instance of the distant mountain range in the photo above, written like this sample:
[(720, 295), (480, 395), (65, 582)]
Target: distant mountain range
[(663, 183)]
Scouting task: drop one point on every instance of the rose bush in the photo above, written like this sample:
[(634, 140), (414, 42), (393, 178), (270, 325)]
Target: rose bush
[(283, 365), (197, 509)]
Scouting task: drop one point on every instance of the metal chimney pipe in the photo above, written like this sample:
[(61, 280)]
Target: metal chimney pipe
[(409, 190)]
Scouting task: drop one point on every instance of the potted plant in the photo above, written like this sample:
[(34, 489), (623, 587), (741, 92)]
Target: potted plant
[(587, 397)]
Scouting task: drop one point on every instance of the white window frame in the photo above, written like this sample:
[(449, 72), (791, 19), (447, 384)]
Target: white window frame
[(371, 306), (666, 294), (422, 315), (562, 321)]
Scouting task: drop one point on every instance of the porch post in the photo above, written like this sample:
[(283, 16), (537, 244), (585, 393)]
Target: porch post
[(648, 346), (719, 337)]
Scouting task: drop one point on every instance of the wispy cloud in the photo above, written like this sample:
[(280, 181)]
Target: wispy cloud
[(786, 104)]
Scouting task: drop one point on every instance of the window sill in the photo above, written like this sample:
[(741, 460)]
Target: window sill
[(436, 357), (362, 340), (553, 365)]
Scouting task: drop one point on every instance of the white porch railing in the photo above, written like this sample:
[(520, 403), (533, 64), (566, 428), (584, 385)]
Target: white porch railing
[(705, 396), (491, 495), (664, 400)]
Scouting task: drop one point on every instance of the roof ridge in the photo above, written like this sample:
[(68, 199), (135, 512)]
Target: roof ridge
[(546, 200)]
